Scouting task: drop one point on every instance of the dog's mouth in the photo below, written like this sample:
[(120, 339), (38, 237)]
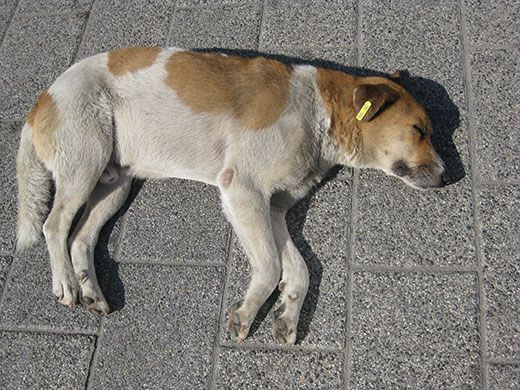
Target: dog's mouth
[(421, 177), (426, 181)]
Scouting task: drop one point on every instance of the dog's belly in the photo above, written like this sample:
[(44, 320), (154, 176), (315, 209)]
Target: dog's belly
[(153, 146)]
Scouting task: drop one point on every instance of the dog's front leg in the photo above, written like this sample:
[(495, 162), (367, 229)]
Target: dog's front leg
[(247, 208), (295, 278)]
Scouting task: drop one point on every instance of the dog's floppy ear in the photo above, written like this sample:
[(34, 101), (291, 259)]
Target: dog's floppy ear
[(369, 99), (396, 75)]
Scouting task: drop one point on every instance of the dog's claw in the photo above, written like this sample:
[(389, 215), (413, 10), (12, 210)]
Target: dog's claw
[(238, 328), (283, 331)]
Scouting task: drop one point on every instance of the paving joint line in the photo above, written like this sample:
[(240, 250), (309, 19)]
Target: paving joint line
[(95, 353), (168, 34), (349, 294), (352, 230), (83, 30), (278, 347), (508, 362), (45, 330), (261, 27), (212, 6), (154, 261), (221, 315), (8, 26), (419, 269), (474, 189)]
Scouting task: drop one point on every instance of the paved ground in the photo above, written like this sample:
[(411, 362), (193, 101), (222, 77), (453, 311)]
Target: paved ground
[(408, 289)]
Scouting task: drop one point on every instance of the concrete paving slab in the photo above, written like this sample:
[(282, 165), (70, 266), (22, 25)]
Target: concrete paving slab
[(409, 30), (319, 226), (500, 218), (492, 23), (176, 221), (45, 46), (5, 265), (232, 26), (285, 23), (44, 6), (163, 336), (278, 369), (401, 226), (29, 302), (504, 376), (6, 10), (495, 74), (9, 133), (44, 361), (414, 330), (117, 23)]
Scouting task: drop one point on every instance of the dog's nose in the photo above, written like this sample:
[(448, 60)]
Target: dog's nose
[(445, 178)]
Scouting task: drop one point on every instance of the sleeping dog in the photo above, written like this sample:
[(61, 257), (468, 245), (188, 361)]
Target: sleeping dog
[(262, 131)]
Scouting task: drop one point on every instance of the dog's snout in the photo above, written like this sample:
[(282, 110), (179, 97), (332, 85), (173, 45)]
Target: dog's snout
[(445, 178)]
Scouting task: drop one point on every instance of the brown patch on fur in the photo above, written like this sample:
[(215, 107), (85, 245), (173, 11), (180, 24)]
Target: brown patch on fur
[(336, 89), (254, 90), (131, 59), (43, 119)]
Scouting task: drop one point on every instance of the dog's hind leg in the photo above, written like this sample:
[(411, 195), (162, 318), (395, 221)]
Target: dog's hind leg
[(108, 196), (247, 208), (294, 283), (82, 147), (73, 186)]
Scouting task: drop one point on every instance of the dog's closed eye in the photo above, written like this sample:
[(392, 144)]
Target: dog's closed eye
[(421, 131)]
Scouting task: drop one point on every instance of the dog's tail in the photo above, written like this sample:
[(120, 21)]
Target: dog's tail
[(34, 182)]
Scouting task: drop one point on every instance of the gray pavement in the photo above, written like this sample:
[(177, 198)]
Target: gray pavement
[(408, 289)]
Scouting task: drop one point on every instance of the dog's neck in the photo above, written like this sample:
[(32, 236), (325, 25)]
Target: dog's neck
[(342, 143)]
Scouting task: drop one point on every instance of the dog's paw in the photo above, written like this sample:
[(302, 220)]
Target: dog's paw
[(90, 295), (238, 323), (284, 329), (65, 288)]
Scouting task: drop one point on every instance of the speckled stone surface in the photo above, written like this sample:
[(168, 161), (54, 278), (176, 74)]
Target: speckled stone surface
[(500, 209), (414, 330), (44, 361), (264, 369), (9, 132)]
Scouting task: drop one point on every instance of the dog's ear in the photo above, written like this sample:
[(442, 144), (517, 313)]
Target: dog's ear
[(369, 99), (396, 75)]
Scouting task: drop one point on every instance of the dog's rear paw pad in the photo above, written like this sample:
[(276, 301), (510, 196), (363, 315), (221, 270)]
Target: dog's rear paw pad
[(238, 327), (284, 330)]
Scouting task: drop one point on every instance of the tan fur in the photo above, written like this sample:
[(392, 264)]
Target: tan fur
[(44, 120), (254, 90), (148, 125), (336, 89), (398, 120), (131, 59)]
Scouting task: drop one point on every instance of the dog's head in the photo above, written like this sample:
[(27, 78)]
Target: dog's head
[(395, 132)]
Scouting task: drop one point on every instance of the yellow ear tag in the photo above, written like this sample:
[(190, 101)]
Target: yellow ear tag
[(361, 114)]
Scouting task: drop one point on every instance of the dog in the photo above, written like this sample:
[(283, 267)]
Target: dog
[(263, 131)]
